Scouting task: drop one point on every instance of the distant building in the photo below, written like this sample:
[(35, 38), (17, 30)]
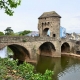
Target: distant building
[(75, 36), (33, 33), (62, 32), (69, 36)]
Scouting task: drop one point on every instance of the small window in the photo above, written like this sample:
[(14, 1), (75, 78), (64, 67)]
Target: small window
[(54, 35), (48, 22), (42, 24), (45, 23)]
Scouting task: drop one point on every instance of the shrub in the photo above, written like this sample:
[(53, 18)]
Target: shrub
[(10, 71)]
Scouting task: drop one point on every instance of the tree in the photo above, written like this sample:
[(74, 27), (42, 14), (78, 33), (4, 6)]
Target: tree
[(24, 32), (9, 5), (1, 33), (8, 31)]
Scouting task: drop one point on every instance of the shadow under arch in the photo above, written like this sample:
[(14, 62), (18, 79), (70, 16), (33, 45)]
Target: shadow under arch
[(65, 48), (47, 49), (19, 52)]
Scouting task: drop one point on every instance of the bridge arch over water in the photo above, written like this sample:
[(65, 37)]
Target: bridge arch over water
[(20, 51), (47, 48), (65, 47)]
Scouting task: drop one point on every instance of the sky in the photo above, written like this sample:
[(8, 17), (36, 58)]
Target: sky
[(26, 15)]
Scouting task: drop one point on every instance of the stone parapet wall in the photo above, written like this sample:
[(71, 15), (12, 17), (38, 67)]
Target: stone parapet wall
[(6, 39)]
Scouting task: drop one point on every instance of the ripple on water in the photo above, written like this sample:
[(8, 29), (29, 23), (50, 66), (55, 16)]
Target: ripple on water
[(71, 73)]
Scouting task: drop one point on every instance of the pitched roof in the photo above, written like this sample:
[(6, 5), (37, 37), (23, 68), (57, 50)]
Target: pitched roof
[(49, 14), (33, 33)]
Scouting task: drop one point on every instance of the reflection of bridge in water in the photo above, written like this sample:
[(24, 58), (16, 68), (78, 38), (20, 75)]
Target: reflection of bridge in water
[(60, 66), (26, 48)]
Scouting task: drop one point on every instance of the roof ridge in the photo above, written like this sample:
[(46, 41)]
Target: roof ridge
[(49, 14)]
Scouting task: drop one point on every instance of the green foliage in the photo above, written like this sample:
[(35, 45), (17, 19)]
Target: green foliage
[(24, 40), (10, 71), (24, 32), (8, 31), (8, 5), (9, 51), (16, 34), (1, 33)]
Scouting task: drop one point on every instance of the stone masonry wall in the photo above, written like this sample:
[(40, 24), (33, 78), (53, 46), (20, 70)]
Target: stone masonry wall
[(53, 23)]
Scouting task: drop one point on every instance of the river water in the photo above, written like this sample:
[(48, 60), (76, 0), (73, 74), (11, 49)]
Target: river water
[(65, 68), (3, 52)]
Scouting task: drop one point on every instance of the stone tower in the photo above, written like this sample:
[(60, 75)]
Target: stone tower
[(49, 21)]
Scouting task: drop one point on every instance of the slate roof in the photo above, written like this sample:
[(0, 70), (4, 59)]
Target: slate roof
[(49, 14), (33, 33)]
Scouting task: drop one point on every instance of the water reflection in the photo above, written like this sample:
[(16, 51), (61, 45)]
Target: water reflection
[(72, 73), (65, 68), (3, 52)]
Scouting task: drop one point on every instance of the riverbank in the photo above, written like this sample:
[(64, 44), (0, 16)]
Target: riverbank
[(71, 54)]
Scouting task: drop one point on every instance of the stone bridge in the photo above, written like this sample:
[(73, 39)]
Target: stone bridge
[(27, 48)]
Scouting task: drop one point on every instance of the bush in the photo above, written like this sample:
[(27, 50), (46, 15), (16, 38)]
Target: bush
[(10, 71)]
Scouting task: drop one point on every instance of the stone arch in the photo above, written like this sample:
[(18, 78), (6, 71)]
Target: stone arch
[(47, 49), (45, 32), (19, 52), (65, 47)]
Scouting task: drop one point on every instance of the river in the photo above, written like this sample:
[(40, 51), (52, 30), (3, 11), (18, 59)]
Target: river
[(65, 68), (3, 52)]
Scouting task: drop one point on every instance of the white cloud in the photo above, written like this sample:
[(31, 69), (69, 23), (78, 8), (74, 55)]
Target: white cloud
[(19, 22), (71, 22)]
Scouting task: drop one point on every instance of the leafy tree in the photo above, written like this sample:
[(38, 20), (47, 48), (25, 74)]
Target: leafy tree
[(24, 32), (8, 31), (9, 5), (1, 33)]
